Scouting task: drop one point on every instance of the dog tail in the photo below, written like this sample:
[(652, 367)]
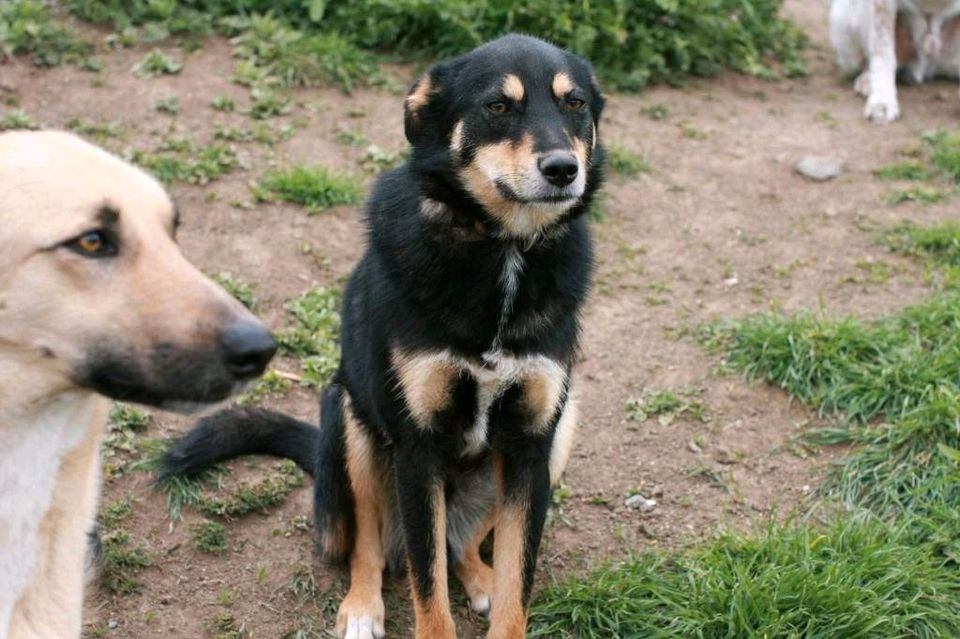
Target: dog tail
[(241, 431)]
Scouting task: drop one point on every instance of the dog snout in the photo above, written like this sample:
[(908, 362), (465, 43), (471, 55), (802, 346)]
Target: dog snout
[(560, 168), (247, 347)]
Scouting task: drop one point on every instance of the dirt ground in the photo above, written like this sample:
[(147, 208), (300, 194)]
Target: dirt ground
[(721, 227)]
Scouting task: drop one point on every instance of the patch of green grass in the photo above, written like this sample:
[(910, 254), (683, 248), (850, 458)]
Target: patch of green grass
[(626, 162), (940, 244), (856, 577), (238, 287), (280, 55), (349, 137), (376, 160), (184, 161), (667, 405), (271, 384), (314, 336), (921, 193), (261, 132), (100, 132), (209, 537), (156, 63), (946, 152), (907, 170), (112, 514), (656, 111), (223, 103), (876, 271), (29, 27), (124, 426), (267, 103), (169, 105), (269, 492), (17, 119), (156, 19), (123, 561), (316, 188), (223, 625)]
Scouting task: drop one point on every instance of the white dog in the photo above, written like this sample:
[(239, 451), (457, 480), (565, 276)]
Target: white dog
[(878, 37)]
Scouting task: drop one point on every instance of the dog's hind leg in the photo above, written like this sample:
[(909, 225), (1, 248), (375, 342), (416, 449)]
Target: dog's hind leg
[(474, 573), (882, 104), (361, 613)]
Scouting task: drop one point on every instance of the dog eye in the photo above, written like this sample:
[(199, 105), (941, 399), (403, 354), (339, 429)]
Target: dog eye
[(93, 244), (575, 104), (498, 106)]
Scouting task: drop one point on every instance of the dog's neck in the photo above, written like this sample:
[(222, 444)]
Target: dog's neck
[(33, 441)]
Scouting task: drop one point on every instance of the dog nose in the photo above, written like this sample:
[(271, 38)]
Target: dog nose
[(247, 347), (559, 167)]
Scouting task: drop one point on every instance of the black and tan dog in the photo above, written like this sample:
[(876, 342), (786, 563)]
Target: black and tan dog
[(96, 301), (452, 410)]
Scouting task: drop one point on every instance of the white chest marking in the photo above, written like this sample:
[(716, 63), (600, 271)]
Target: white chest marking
[(31, 449), (510, 283)]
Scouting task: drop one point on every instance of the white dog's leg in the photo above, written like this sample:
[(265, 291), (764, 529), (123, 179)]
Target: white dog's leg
[(846, 17), (882, 103)]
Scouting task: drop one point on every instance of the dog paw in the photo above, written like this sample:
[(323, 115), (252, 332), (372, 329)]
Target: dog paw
[(360, 619), (480, 590), (881, 110)]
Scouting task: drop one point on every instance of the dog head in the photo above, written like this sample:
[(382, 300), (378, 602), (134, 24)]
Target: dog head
[(517, 122), (94, 290)]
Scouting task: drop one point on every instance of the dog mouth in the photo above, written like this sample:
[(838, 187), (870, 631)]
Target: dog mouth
[(566, 196)]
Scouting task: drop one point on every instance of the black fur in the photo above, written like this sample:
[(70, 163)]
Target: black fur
[(434, 283)]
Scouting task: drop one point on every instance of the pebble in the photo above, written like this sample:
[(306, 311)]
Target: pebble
[(820, 167), (113, 623), (641, 503), (694, 447)]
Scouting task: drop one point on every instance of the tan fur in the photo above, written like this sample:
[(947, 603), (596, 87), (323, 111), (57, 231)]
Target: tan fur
[(433, 619), (427, 382), (474, 573), (420, 95), (541, 395), (367, 561), (51, 606), (513, 87), (55, 307), (562, 84), (563, 440), (456, 138), (508, 616)]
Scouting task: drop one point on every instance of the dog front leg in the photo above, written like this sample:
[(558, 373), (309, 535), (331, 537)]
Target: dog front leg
[(422, 502), (882, 105)]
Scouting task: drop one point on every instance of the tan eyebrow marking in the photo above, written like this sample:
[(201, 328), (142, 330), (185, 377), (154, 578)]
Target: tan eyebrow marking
[(513, 87), (562, 84)]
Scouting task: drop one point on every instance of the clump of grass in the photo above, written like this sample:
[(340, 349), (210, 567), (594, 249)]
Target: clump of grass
[(271, 384), (238, 287), (667, 406), (349, 137), (940, 244), (626, 162), (223, 625), (656, 111), (261, 133), (376, 160), (169, 105), (17, 119), (314, 336), (316, 188), (124, 426), (101, 132), (277, 54), (267, 103), (906, 170), (122, 560), (28, 27), (209, 537), (921, 193), (184, 161), (223, 103), (857, 577), (302, 584), (268, 493), (156, 63), (157, 20), (946, 152)]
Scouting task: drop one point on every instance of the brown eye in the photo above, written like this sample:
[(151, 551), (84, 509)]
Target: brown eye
[(575, 104), (93, 244), (498, 106)]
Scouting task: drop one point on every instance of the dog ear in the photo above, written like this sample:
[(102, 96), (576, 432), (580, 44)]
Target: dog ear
[(423, 117)]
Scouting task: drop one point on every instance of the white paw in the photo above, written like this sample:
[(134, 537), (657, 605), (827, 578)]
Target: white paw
[(862, 84), (480, 604), (364, 627), (881, 110)]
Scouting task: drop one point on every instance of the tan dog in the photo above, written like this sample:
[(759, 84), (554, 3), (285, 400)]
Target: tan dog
[(96, 300)]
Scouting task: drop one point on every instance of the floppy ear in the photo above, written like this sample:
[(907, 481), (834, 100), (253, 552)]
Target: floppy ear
[(423, 115), (597, 101)]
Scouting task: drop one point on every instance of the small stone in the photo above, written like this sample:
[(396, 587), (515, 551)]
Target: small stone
[(820, 167), (724, 455), (113, 623), (731, 281), (641, 503), (694, 447), (656, 491)]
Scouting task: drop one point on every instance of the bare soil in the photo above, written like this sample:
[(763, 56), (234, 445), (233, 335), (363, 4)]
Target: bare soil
[(721, 227)]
